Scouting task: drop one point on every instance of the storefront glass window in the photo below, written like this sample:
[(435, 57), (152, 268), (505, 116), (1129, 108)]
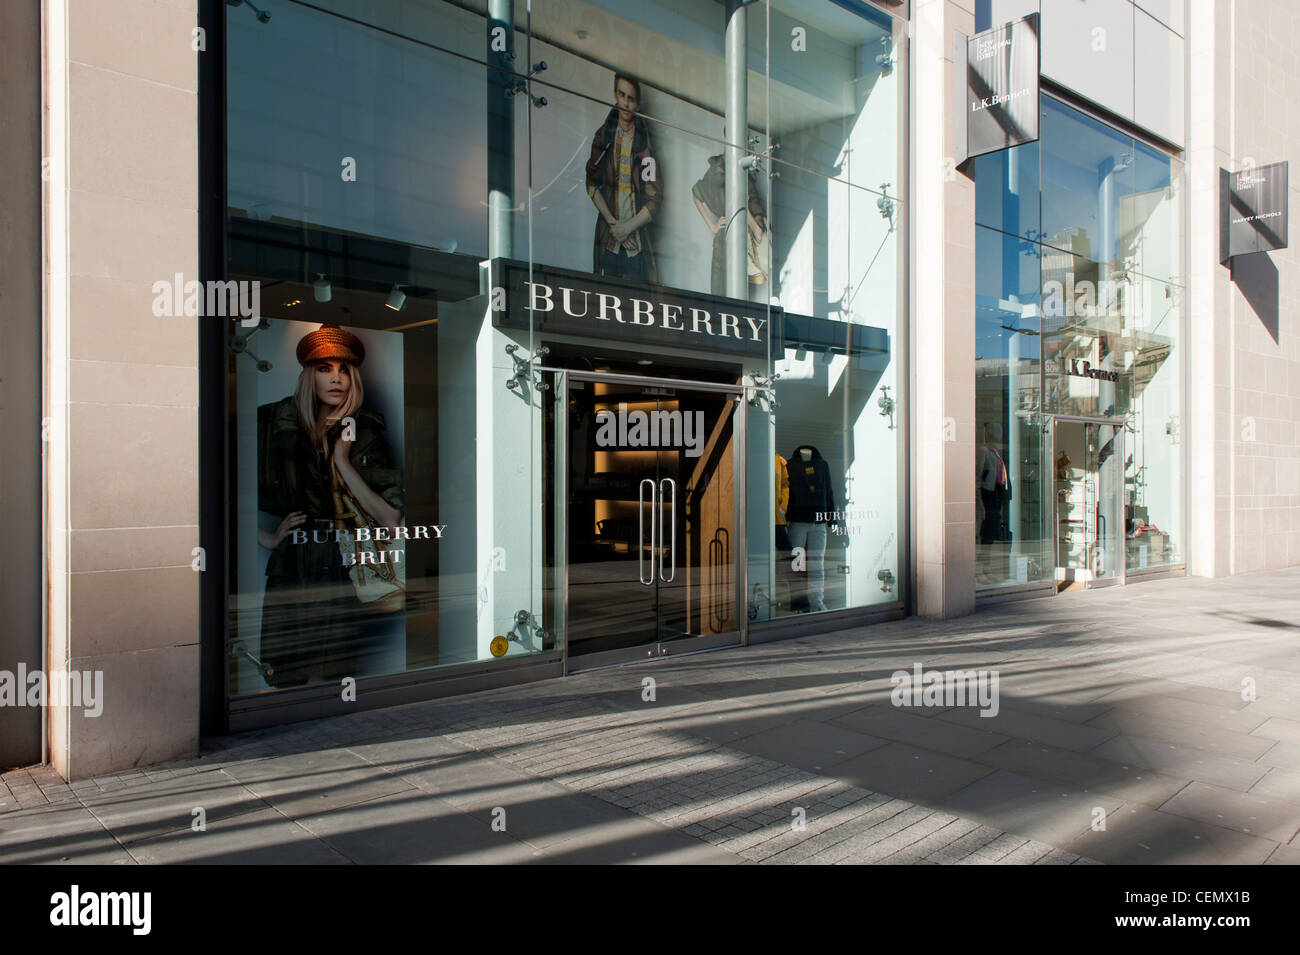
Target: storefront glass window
[(836, 91), (479, 232), (1014, 545), (1097, 290)]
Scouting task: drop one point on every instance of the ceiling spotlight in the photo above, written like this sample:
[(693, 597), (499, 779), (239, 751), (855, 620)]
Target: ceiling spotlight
[(322, 289), (449, 244), (644, 361), (396, 299)]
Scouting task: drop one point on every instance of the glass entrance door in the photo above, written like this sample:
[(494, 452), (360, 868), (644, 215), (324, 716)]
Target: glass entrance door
[(651, 492), (1105, 444), (1089, 481)]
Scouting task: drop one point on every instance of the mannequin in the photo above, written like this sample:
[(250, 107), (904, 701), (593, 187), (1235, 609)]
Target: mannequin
[(811, 511)]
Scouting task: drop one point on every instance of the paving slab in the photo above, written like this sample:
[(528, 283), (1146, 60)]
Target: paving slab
[(58, 834), (1278, 784), (1084, 772), (142, 812), (1246, 812), (261, 837), (808, 745), (1048, 811), (1282, 756), (1177, 690), (1232, 719), (1174, 760), (312, 782), (1284, 855), (1196, 734), (1017, 724), (894, 723), (908, 772), (413, 828), (1138, 835), (406, 750)]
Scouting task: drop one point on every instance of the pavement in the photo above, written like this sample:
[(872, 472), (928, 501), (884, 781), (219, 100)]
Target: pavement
[(1153, 723)]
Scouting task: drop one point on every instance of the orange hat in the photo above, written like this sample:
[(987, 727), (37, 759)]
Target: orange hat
[(330, 341)]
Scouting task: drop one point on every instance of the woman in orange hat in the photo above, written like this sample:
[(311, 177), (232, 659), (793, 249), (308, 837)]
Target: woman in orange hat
[(314, 626)]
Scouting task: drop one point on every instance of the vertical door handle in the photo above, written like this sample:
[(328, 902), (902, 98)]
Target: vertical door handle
[(640, 534), (672, 551)]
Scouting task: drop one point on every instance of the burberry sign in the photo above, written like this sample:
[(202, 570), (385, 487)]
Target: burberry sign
[(570, 303)]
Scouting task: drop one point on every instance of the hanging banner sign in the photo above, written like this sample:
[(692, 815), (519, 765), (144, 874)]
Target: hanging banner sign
[(1253, 210), (997, 74)]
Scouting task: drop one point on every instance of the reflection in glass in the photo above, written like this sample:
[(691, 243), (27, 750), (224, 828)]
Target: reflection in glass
[(1012, 545), (450, 157), (1103, 280)]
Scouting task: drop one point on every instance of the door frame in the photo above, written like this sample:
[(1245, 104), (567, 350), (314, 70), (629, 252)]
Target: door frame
[(740, 575), (1121, 575)]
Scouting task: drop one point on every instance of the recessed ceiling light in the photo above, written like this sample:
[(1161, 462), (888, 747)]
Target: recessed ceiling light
[(296, 301), (645, 361)]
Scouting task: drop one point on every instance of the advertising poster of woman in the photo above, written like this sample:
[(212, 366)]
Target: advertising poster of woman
[(330, 499)]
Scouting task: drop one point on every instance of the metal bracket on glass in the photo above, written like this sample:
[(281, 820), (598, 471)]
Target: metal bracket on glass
[(239, 651), (524, 368), (886, 578), (520, 85), (886, 60), (262, 15), (1030, 245), (525, 621), (886, 405), (886, 205), (761, 392), (239, 346)]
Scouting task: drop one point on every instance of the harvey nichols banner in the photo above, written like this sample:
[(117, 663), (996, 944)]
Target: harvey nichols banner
[(998, 74), (573, 303), (1253, 210)]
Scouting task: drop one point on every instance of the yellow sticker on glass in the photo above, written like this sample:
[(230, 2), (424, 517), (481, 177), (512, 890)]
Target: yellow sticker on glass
[(499, 646)]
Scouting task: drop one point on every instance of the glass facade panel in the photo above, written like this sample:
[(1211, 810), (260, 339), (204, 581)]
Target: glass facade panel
[(1154, 521), (829, 439), (1099, 291), (1013, 542), (477, 228), (1007, 195), (1087, 175)]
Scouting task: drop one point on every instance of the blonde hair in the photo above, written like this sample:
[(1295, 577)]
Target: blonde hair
[(309, 407)]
